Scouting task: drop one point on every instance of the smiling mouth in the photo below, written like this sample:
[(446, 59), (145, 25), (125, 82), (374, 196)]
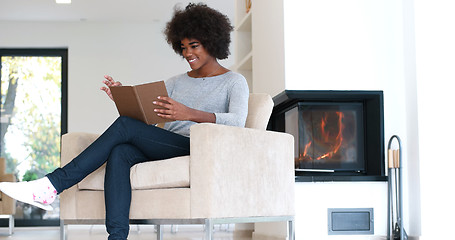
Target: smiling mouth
[(191, 60)]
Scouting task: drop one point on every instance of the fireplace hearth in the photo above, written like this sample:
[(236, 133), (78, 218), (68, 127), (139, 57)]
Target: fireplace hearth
[(339, 135)]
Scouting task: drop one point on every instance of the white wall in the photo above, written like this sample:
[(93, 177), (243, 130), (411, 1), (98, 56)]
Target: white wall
[(353, 45), (435, 51), (131, 53)]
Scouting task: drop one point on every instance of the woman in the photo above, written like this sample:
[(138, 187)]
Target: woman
[(207, 93)]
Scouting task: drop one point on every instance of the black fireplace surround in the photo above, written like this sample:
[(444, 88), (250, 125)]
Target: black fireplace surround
[(339, 134)]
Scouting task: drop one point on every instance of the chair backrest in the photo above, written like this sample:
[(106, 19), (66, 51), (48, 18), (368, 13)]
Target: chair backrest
[(260, 106)]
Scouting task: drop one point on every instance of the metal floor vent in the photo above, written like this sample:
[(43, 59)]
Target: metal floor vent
[(350, 221)]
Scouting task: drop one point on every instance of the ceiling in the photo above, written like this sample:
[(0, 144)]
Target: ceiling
[(115, 11)]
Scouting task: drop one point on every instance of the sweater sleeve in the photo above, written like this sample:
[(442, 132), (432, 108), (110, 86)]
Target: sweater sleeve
[(237, 105), (170, 85)]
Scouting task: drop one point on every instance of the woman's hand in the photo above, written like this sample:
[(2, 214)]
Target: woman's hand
[(176, 111), (109, 82), (173, 109)]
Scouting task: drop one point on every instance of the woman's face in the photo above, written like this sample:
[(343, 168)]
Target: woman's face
[(196, 55)]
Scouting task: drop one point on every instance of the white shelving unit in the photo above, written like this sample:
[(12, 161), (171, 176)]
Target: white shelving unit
[(259, 51), (244, 43)]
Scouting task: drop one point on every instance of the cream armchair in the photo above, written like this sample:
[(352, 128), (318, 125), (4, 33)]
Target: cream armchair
[(233, 175), (7, 204)]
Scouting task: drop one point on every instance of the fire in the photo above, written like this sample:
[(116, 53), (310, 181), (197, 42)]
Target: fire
[(323, 132), (339, 138), (330, 136), (306, 148)]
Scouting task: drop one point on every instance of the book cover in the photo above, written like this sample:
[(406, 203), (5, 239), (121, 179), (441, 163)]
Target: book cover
[(137, 101)]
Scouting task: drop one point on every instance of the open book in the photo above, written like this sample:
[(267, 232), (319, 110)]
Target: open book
[(137, 101)]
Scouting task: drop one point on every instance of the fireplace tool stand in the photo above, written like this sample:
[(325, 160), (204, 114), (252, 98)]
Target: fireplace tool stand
[(395, 229)]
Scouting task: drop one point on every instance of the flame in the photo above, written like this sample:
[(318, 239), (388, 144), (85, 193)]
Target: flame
[(339, 138), (326, 136), (323, 124), (306, 148), (325, 155)]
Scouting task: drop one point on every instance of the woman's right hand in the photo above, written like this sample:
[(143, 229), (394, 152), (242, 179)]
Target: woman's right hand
[(109, 82)]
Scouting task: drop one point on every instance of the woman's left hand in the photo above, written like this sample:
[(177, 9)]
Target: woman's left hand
[(173, 109), (109, 82)]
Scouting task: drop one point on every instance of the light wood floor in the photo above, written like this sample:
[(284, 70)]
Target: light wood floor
[(98, 232)]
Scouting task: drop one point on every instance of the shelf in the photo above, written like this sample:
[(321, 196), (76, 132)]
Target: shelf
[(246, 63), (245, 23), (244, 44)]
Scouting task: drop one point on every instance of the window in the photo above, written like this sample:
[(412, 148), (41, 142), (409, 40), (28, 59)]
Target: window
[(33, 117)]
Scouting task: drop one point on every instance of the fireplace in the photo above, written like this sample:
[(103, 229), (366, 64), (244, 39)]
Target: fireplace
[(329, 136), (338, 134)]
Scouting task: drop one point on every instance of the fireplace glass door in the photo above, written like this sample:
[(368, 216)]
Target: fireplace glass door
[(330, 136)]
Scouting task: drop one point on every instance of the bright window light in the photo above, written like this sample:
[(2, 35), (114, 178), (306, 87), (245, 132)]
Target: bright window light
[(63, 1)]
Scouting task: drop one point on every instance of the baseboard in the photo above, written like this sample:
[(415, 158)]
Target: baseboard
[(385, 238)]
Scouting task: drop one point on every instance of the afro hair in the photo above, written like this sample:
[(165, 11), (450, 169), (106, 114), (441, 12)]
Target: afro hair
[(207, 25)]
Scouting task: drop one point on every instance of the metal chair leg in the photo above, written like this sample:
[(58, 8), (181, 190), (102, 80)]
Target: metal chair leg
[(291, 230), (11, 225), (63, 231), (208, 229), (159, 232), (174, 228)]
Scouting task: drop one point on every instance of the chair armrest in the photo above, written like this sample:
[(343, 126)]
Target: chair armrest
[(8, 177), (7, 204), (74, 143), (240, 172)]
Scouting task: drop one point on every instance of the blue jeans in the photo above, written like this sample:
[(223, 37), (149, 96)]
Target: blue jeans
[(125, 143)]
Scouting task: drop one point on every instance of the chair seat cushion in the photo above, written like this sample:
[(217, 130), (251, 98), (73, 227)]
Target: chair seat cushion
[(169, 173)]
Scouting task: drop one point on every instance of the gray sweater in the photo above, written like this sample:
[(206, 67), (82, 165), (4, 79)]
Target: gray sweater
[(224, 95)]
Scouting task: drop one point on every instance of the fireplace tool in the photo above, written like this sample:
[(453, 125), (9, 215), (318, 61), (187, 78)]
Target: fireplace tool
[(395, 229)]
